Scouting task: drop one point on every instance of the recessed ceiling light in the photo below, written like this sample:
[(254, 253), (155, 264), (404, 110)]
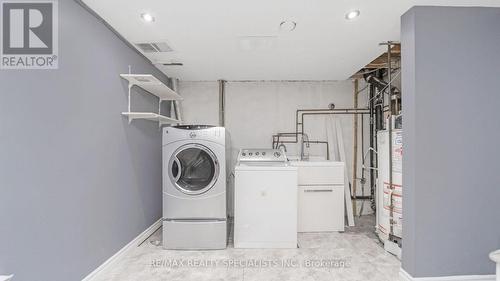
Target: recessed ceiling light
[(288, 25), (352, 14), (147, 17)]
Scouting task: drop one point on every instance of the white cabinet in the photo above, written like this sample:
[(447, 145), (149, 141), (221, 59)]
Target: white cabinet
[(321, 208), (320, 196), (320, 173)]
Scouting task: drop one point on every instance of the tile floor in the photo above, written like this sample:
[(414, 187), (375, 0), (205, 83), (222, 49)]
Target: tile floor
[(355, 255)]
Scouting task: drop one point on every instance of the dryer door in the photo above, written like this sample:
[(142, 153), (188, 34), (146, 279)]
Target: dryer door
[(193, 169)]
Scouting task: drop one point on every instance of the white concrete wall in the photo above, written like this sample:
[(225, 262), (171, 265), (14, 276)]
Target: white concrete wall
[(257, 110)]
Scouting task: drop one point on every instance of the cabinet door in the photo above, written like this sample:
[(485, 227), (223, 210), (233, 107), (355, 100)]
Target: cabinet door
[(321, 208)]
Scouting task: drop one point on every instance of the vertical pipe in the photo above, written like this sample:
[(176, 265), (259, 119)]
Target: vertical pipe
[(372, 143), (355, 148), (362, 181), (378, 126), (222, 102), (389, 87)]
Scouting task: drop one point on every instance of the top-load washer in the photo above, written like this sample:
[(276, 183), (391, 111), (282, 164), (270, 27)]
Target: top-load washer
[(195, 169), (265, 214)]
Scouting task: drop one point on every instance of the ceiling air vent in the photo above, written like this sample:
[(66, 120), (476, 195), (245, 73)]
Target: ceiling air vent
[(159, 47)]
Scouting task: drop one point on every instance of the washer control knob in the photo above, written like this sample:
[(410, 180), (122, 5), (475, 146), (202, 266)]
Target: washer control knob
[(243, 154), (256, 153), (277, 154), (250, 153), (263, 153)]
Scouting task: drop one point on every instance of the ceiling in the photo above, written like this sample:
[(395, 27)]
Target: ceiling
[(241, 40)]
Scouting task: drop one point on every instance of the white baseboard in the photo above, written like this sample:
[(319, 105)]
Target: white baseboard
[(123, 251), (6, 277), (407, 277)]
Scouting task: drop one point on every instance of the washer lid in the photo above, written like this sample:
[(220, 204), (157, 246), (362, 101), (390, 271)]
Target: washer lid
[(264, 167)]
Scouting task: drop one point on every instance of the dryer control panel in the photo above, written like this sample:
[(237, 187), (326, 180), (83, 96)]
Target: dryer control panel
[(194, 133)]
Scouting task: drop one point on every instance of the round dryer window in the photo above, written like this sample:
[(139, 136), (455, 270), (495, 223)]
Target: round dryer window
[(193, 169)]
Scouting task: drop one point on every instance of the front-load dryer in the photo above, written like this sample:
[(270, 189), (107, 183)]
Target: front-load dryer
[(195, 163)]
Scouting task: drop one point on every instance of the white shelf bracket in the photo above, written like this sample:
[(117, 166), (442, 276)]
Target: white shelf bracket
[(129, 101), (159, 112)]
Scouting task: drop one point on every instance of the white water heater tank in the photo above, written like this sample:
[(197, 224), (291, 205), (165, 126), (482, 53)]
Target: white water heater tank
[(384, 192)]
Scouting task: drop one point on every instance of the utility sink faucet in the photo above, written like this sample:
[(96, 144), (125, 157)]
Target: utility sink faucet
[(282, 146)]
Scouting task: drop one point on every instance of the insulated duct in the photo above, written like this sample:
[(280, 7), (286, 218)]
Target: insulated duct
[(174, 83), (380, 84)]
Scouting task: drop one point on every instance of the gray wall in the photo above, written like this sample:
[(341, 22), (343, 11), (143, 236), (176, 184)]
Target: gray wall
[(77, 182), (451, 69)]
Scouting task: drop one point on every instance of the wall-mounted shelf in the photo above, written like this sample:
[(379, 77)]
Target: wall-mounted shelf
[(150, 116), (152, 85), (155, 87)]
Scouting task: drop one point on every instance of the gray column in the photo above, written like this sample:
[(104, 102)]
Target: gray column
[(450, 81)]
